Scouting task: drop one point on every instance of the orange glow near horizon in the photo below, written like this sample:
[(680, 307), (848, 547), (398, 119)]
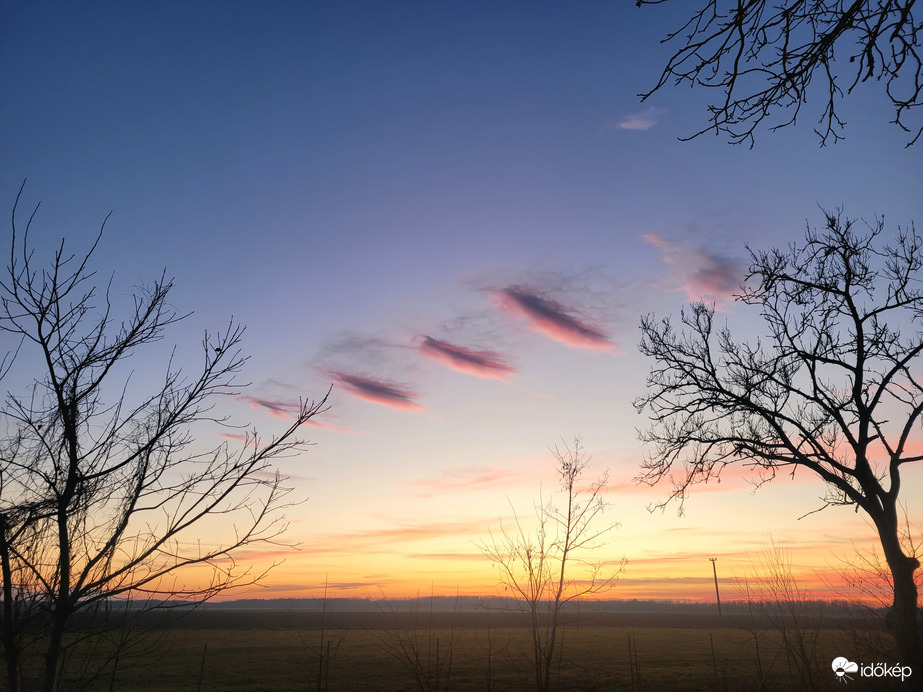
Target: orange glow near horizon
[(287, 581), (424, 537), (412, 562)]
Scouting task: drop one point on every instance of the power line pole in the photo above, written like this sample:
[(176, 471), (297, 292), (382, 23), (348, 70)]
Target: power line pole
[(715, 572)]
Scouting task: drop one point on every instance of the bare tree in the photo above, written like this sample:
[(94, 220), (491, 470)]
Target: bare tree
[(785, 606), (763, 56), (833, 389), (491, 647), (538, 568), (104, 492), (412, 638), (327, 648)]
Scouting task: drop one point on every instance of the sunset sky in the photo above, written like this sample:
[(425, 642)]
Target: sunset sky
[(456, 213)]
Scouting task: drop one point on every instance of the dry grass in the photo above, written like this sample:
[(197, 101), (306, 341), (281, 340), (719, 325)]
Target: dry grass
[(279, 652)]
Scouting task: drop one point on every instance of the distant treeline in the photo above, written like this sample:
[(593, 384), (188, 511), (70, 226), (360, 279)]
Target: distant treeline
[(468, 611), (444, 604)]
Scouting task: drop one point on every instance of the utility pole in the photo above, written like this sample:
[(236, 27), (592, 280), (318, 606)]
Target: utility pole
[(715, 572)]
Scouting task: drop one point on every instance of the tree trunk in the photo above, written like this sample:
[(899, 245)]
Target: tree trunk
[(8, 635), (53, 652), (902, 620), (61, 612)]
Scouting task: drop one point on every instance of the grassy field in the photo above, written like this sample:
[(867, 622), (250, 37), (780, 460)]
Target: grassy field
[(284, 650)]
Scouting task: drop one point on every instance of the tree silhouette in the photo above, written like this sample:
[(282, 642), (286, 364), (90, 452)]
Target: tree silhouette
[(834, 389), (763, 56), (538, 567), (105, 494)]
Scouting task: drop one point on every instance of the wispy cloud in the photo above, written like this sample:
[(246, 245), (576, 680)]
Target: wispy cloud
[(378, 391), (385, 540), (323, 425), (474, 556), (644, 120), (487, 364), (470, 477), (237, 437), (315, 590), (345, 358), (733, 478), (553, 319), (288, 410), (277, 409), (701, 274), (356, 346)]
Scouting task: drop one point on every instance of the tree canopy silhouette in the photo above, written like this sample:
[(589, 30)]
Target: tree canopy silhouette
[(105, 494), (833, 388), (766, 58)]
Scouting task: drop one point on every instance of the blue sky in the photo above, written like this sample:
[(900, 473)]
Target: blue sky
[(355, 181)]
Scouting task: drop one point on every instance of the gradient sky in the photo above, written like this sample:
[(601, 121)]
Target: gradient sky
[(455, 212)]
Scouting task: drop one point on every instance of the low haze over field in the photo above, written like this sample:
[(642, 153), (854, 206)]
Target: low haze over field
[(456, 214)]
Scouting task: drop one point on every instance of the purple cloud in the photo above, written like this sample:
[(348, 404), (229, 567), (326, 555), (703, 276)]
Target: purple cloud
[(700, 274), (552, 319), (485, 364), (378, 391), (277, 409), (288, 410)]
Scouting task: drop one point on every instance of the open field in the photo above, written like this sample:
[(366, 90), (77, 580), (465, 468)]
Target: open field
[(284, 650)]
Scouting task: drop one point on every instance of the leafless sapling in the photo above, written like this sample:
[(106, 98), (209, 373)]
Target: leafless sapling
[(546, 567)]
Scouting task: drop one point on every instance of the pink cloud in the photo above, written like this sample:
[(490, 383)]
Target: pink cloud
[(277, 409), (485, 364), (234, 436), (288, 410), (701, 275), (383, 540), (378, 392), (714, 276), (329, 426), (552, 319), (733, 477), (470, 477)]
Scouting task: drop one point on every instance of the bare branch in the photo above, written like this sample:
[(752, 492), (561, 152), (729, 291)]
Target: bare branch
[(763, 56)]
